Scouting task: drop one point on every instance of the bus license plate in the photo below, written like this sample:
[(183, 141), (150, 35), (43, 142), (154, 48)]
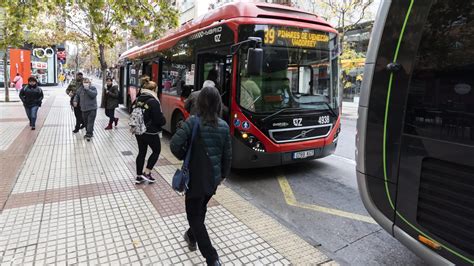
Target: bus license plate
[(303, 154)]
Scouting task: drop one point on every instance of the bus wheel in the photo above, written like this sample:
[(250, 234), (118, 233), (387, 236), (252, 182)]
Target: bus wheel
[(178, 118)]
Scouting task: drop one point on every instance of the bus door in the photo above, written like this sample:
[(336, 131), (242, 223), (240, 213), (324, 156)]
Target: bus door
[(122, 83), (216, 66)]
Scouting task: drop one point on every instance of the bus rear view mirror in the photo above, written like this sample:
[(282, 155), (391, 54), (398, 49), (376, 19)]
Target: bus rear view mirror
[(254, 61)]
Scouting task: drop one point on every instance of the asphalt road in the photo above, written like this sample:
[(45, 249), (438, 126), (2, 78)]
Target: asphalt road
[(323, 188)]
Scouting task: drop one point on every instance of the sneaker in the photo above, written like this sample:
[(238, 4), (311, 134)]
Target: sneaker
[(139, 179), (88, 138), (191, 244), (33, 128), (75, 130), (149, 178)]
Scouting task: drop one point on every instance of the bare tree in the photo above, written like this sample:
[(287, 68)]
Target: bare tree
[(344, 13)]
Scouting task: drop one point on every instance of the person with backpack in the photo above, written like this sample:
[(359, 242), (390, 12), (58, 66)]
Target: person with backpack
[(87, 96), (32, 97), (210, 162), (146, 121), (111, 101)]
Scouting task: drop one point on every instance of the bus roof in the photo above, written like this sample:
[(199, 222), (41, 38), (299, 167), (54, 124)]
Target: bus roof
[(227, 12)]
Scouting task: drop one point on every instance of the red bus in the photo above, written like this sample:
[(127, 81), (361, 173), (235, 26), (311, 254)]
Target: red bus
[(277, 69)]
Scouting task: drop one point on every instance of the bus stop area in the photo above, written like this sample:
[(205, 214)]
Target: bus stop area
[(66, 201)]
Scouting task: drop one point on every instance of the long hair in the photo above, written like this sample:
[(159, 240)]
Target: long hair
[(209, 105)]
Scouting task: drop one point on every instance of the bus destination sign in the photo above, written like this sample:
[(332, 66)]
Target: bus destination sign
[(294, 37)]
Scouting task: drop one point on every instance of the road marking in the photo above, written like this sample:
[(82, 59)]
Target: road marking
[(350, 161), (291, 200)]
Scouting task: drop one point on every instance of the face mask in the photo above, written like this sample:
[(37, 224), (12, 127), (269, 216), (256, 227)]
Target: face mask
[(87, 85)]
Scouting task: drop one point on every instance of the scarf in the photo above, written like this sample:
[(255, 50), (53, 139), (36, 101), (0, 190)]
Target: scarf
[(149, 92)]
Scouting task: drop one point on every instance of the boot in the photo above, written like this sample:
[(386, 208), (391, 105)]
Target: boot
[(109, 126), (116, 121)]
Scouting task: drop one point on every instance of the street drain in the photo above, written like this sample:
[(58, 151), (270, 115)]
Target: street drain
[(127, 153)]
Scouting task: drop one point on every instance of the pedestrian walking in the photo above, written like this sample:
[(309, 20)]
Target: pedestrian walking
[(153, 119), (68, 77), (62, 79), (32, 97), (210, 162), (111, 101), (18, 82), (71, 91), (190, 103), (86, 95)]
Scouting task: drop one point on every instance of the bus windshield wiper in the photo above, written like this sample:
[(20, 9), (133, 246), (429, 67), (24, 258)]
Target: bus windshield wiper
[(330, 108), (279, 112)]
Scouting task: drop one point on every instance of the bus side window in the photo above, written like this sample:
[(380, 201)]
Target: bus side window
[(441, 95)]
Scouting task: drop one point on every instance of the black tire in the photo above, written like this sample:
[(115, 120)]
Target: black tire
[(178, 118)]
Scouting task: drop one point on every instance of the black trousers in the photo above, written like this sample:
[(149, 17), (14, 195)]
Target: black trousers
[(196, 208), (89, 120), (78, 115), (110, 113), (145, 141)]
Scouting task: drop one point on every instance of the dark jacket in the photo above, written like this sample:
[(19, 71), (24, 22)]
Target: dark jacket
[(153, 116), (72, 87), (216, 144), (87, 98), (112, 97), (31, 96)]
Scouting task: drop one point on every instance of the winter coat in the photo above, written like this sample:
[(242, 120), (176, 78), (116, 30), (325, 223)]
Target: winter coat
[(217, 147), (72, 87), (112, 98), (153, 116), (18, 82), (87, 98), (31, 96)]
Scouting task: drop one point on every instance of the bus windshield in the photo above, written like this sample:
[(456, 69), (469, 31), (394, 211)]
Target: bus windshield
[(292, 77)]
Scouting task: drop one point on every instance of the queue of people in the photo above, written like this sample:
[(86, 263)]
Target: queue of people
[(210, 152)]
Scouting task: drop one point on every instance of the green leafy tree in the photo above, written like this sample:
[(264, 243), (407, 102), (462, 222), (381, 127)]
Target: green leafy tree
[(102, 22), (16, 16)]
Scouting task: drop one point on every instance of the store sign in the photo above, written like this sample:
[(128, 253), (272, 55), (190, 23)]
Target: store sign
[(39, 65), (43, 52), (295, 37)]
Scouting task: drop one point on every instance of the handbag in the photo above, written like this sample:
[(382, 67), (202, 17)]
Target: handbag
[(181, 176)]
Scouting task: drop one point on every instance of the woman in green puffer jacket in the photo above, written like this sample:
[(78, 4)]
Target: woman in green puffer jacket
[(211, 157)]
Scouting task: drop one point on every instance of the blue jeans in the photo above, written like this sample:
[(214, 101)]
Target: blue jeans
[(32, 112)]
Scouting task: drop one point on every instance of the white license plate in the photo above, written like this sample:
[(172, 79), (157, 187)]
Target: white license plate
[(303, 154)]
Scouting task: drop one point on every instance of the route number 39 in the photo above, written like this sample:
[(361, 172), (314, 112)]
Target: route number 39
[(269, 36), (323, 119)]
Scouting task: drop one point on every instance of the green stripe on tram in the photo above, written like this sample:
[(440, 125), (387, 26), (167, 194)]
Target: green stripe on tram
[(387, 105)]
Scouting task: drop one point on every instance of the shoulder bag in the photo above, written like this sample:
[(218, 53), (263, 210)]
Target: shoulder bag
[(181, 176)]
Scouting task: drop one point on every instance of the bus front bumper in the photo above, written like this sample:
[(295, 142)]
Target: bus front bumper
[(243, 157)]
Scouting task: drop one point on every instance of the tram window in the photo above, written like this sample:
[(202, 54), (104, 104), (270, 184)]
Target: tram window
[(441, 96)]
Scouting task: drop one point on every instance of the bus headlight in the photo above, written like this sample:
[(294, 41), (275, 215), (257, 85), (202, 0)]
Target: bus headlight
[(251, 141)]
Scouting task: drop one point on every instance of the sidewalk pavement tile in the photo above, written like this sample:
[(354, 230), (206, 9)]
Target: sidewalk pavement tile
[(75, 202)]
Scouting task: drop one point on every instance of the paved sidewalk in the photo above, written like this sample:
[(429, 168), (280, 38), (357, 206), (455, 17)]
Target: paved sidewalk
[(71, 201), (349, 110)]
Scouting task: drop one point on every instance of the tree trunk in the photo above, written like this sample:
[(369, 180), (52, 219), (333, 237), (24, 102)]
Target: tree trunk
[(103, 69), (5, 76)]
